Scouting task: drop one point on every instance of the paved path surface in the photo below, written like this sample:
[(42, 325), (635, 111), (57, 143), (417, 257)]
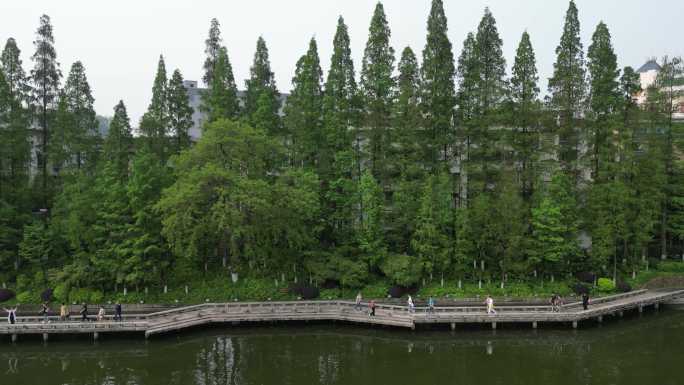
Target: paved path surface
[(345, 311)]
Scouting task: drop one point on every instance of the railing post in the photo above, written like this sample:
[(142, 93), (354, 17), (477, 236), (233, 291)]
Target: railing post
[(494, 325), (45, 337)]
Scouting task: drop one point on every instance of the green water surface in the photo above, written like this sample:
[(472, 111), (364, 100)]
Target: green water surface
[(632, 351)]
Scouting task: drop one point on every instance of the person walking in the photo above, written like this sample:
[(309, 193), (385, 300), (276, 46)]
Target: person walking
[(44, 312), (11, 315), (411, 306), (371, 306), (84, 312), (101, 314), (117, 312), (554, 303), (490, 305), (585, 300), (357, 307), (431, 305), (63, 312)]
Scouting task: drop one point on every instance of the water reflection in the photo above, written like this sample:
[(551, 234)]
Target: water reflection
[(640, 351)]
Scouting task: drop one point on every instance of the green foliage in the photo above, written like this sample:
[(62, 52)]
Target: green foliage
[(213, 52), (180, 112), (402, 269), (154, 123), (220, 100), (399, 181), (262, 101), (437, 89), (303, 110), (377, 87), (27, 297), (606, 285)]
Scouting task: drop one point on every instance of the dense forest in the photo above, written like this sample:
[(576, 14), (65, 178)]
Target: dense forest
[(450, 168)]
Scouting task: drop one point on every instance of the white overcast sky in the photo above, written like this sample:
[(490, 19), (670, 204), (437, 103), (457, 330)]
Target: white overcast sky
[(119, 41)]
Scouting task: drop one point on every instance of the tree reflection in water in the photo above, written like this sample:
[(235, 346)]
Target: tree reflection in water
[(633, 351)]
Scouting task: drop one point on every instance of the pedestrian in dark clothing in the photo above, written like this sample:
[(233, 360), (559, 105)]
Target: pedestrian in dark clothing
[(84, 312), (371, 305), (117, 312), (44, 312), (585, 301)]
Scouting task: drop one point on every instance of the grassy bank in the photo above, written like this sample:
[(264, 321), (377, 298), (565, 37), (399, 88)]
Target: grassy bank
[(219, 288)]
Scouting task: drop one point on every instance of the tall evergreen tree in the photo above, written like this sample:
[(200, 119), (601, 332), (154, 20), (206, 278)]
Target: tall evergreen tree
[(490, 90), (465, 112), (45, 78), (438, 98), (212, 50), (180, 112), (378, 88), (118, 144), (339, 165), (154, 123), (14, 72), (220, 101), (604, 97), (14, 121), (524, 93), (567, 89), (83, 137), (409, 152), (407, 119), (662, 98), (304, 108), (262, 81)]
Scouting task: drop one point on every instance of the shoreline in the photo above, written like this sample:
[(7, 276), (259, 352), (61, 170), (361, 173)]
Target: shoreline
[(234, 313)]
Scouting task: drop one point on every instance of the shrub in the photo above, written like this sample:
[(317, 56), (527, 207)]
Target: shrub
[(86, 295), (310, 292), (353, 274), (624, 287), (61, 292), (376, 290), (654, 263), (671, 267), (26, 297), (586, 277), (330, 284), (46, 295), (295, 289), (396, 291), (402, 269), (255, 289), (580, 289), (331, 294), (6, 295), (606, 285)]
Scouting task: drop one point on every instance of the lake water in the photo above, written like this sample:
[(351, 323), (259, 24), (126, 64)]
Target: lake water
[(635, 350)]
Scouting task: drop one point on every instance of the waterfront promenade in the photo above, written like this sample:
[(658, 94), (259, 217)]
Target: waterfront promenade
[(233, 313)]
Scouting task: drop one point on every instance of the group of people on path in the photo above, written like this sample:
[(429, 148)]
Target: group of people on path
[(65, 313), (556, 304)]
